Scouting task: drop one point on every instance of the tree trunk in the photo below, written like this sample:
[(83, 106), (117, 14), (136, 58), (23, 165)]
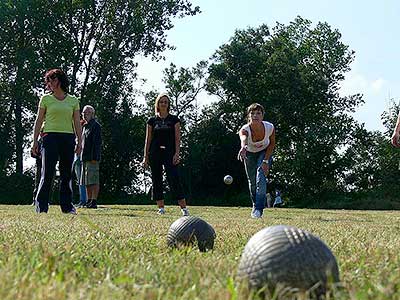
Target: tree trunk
[(19, 138)]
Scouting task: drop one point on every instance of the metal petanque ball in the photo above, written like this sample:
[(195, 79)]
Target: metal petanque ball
[(287, 257), (186, 230)]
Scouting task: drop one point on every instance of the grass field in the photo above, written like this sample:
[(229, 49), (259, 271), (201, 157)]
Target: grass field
[(120, 252)]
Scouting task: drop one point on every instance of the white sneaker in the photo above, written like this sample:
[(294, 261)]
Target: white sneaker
[(185, 212), (256, 214), (161, 211)]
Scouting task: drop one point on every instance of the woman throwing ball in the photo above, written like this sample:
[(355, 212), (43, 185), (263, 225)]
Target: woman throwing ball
[(257, 139)]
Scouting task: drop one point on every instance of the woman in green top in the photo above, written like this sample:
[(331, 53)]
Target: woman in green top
[(58, 117)]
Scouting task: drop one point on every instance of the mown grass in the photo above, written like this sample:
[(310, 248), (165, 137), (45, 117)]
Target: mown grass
[(120, 252)]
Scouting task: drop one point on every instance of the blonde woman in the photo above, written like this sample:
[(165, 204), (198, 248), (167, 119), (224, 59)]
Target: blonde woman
[(257, 140), (162, 147)]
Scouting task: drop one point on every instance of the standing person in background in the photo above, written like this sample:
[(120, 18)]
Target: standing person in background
[(257, 139), (38, 167), (91, 152), (396, 133), (58, 114), (77, 166), (162, 147)]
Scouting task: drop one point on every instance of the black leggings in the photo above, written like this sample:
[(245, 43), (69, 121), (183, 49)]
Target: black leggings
[(56, 146), (156, 161)]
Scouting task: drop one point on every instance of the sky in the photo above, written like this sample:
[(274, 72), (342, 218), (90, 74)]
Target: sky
[(370, 28)]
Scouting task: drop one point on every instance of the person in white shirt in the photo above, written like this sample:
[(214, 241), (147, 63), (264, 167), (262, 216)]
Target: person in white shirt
[(257, 139), (396, 133)]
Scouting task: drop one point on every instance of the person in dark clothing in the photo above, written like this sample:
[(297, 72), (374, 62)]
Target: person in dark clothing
[(90, 157), (162, 147)]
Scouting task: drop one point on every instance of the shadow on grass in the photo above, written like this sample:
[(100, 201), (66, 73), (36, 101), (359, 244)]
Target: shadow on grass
[(133, 208)]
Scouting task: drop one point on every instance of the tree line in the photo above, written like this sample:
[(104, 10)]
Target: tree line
[(323, 158)]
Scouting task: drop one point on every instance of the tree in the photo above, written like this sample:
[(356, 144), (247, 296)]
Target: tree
[(108, 37), (96, 42), (22, 63), (212, 155), (295, 72)]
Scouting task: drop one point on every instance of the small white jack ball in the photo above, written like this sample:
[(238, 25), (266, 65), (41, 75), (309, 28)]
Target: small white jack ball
[(228, 179)]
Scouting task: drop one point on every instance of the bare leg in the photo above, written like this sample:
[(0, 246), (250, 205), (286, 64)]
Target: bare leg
[(89, 192), (95, 191), (92, 191), (182, 203), (160, 203)]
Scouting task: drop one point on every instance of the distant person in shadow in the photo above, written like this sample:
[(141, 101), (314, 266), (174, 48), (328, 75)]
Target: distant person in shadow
[(91, 154)]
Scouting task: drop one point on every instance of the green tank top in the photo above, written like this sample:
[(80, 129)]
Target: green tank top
[(59, 113)]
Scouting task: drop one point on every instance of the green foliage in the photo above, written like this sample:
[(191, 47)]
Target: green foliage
[(323, 157), (212, 151), (295, 72), (370, 162), (96, 42), (183, 87), (16, 188), (24, 58)]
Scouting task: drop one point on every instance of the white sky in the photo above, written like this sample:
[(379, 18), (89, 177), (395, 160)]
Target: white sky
[(368, 27)]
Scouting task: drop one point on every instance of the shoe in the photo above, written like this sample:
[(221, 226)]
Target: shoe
[(37, 208), (161, 211), (256, 214), (71, 212), (80, 205), (92, 204), (185, 212)]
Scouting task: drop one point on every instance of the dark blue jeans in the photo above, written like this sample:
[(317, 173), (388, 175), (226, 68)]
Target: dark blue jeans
[(77, 166), (56, 146), (157, 160), (256, 178)]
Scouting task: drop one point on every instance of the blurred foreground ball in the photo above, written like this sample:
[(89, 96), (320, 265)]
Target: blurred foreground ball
[(228, 179), (187, 230), (287, 257)]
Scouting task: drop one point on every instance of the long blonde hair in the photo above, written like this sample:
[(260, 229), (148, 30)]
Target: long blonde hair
[(156, 108)]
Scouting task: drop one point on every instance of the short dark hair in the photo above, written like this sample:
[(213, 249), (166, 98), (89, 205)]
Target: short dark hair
[(254, 107), (60, 75)]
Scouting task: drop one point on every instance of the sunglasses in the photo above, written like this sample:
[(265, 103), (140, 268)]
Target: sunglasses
[(50, 78)]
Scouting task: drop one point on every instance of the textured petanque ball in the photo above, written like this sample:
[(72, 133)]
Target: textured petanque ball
[(187, 230), (287, 257)]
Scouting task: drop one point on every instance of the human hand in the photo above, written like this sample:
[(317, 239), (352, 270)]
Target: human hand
[(176, 159), (242, 155), (78, 148), (395, 139), (265, 168), (145, 162), (35, 149)]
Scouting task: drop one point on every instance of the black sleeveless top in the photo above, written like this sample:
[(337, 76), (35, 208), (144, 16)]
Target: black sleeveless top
[(163, 133)]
